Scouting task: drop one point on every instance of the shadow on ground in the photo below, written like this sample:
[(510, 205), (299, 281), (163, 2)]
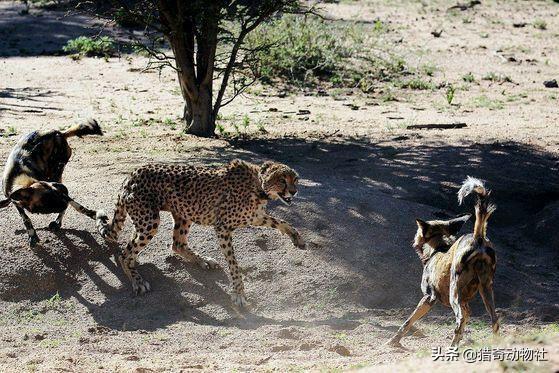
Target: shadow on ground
[(45, 31), (38, 33), (352, 172), (357, 206), (27, 100)]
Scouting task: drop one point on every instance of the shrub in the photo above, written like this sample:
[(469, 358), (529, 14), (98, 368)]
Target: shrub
[(307, 49), (469, 78), (416, 83), (125, 19), (450, 91), (485, 102), (540, 24), (429, 69), (497, 78), (103, 46)]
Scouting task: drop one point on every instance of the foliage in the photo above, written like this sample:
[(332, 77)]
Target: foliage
[(497, 78), (540, 24), (469, 78), (415, 83), (103, 46), (208, 44), (485, 102), (450, 94), (309, 49)]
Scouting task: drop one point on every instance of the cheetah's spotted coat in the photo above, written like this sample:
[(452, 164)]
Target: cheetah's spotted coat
[(227, 198)]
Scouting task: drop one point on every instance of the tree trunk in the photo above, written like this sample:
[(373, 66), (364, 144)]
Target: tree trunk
[(200, 120), (194, 46), (187, 113)]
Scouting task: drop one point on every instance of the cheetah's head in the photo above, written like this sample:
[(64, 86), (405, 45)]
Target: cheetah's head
[(279, 181)]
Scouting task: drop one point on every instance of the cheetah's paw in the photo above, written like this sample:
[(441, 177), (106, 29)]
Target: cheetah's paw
[(141, 287), (209, 263), (299, 242), (239, 300)]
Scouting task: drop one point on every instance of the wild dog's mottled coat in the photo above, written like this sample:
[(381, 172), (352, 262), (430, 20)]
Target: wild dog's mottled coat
[(456, 269), (227, 198), (33, 175)]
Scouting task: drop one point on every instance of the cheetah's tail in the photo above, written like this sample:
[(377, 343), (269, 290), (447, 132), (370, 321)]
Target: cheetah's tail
[(110, 230)]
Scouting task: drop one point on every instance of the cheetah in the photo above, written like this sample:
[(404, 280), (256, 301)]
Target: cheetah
[(227, 197)]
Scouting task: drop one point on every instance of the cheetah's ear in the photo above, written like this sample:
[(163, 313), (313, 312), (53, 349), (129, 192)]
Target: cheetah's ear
[(265, 166)]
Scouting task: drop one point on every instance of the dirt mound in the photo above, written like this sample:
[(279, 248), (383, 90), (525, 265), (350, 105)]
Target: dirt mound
[(365, 177), (357, 212), (544, 227), (55, 266)]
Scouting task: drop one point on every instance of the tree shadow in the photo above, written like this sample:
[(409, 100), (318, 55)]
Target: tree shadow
[(39, 32), (27, 100), (358, 189), (44, 32), (119, 309)]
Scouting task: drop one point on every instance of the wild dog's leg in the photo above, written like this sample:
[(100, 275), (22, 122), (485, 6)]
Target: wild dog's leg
[(461, 322), (266, 220), (461, 311), (33, 238), (421, 310), (486, 292), (146, 228), (226, 246), (180, 245), (57, 223)]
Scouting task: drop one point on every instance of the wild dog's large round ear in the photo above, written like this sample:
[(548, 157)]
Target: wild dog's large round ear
[(456, 224), (422, 225), (60, 187), (22, 194), (4, 203)]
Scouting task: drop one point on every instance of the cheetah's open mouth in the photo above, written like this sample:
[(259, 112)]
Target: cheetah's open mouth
[(286, 200)]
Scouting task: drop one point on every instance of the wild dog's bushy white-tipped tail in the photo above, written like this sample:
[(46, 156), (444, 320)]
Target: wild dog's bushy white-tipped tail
[(470, 185), (483, 207), (89, 127)]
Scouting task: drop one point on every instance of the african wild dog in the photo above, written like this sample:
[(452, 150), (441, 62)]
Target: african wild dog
[(454, 270), (33, 175)]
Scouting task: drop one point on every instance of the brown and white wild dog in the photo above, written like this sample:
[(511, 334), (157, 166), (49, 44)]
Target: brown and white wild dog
[(454, 270), (33, 175), (226, 198)]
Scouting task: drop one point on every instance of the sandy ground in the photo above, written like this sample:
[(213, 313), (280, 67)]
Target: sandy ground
[(365, 178)]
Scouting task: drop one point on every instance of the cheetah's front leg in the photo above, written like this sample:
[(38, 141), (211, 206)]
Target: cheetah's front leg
[(226, 246), (268, 221)]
